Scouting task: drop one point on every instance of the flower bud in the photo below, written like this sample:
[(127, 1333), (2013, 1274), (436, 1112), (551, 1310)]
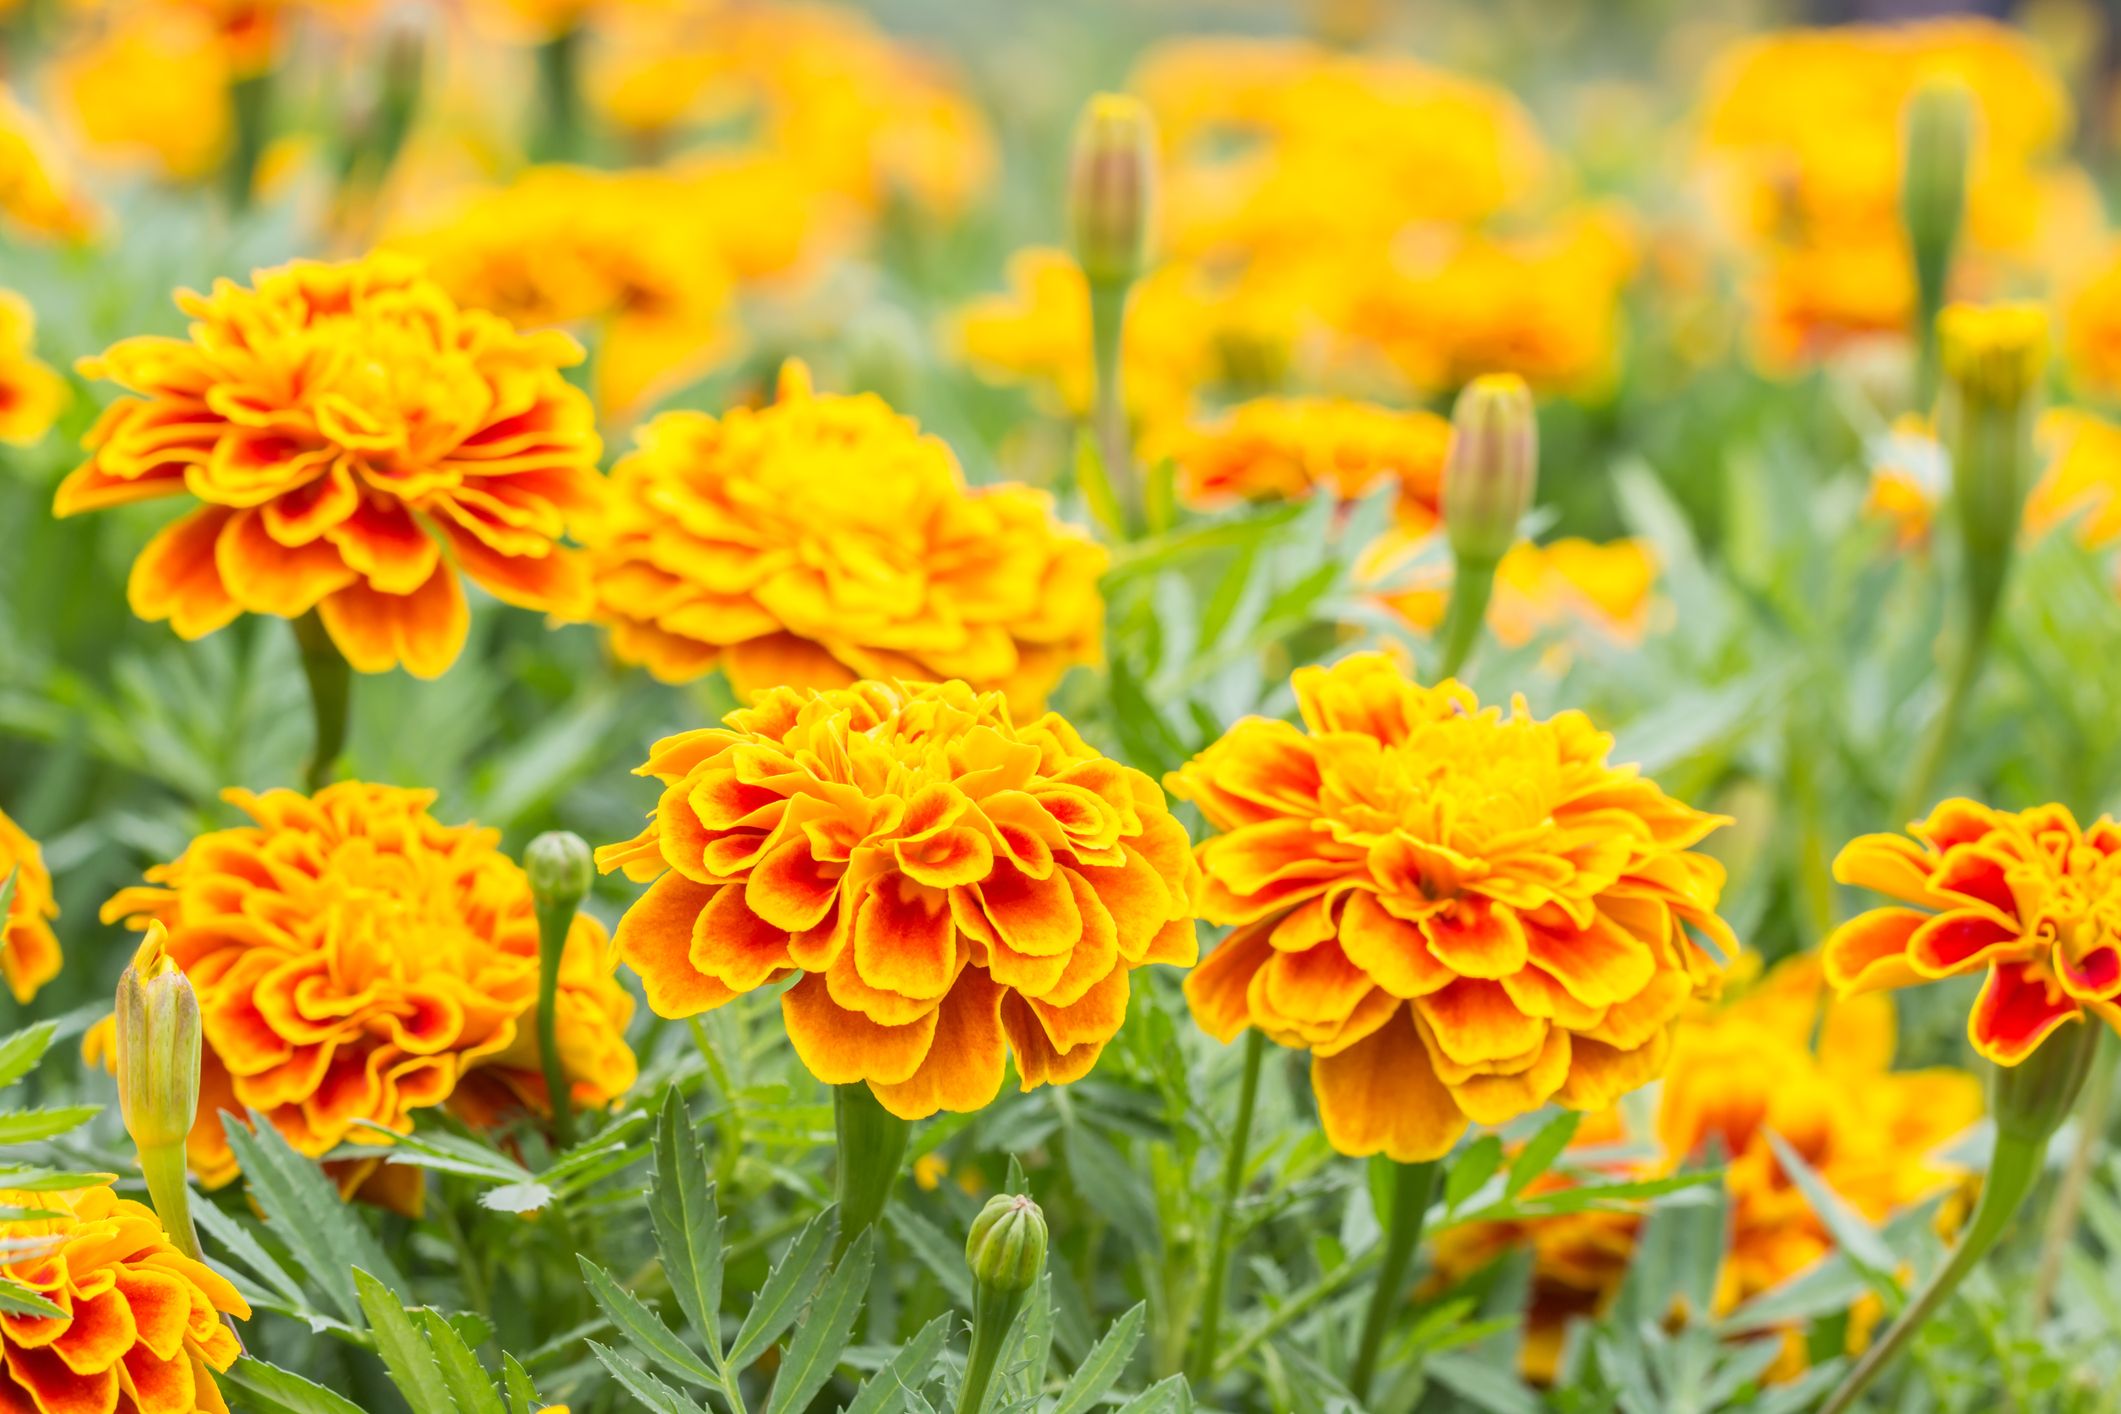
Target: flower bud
[(1492, 468), (1007, 1246), (1938, 132), (159, 1044), (1112, 188), (1994, 355), (560, 868)]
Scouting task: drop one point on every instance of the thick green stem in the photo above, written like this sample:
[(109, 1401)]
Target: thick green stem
[(872, 1144), (1210, 1330), (1471, 584), (251, 98), (167, 1190), (2029, 1101), (1108, 320), (555, 921), (993, 1311), (1413, 1188), (559, 121), (330, 693)]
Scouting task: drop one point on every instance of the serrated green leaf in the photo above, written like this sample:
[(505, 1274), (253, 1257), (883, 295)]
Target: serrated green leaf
[(822, 1337), (30, 1126), (450, 1153), (469, 1384), (935, 1251), (406, 1353), (1540, 1151), (1856, 1239), (1474, 1168), (1169, 1395), (790, 1282), (641, 1384), (18, 1300), (21, 1051), (522, 1394), (239, 1242), (1480, 1383), (643, 1328), (688, 1229), (31, 1178), (1107, 1360), (303, 1210), (283, 1391), (898, 1383)]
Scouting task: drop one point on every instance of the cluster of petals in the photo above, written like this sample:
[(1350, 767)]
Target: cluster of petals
[(2030, 899), (357, 961), (29, 949), (822, 539), (142, 1330), (1272, 449), (948, 887), (1462, 914), (356, 441)]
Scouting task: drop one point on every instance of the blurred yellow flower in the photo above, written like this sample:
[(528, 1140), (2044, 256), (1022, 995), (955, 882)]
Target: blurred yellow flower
[(1606, 587), (153, 88), (29, 949), (2080, 483), (38, 196), (1286, 448), (31, 393)]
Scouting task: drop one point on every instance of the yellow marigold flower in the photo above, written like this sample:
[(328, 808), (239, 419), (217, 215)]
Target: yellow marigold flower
[(31, 394), (38, 196), (153, 87), (951, 886), (1996, 353), (357, 961), (1607, 587), (1461, 914), (612, 251), (1285, 448), (2028, 898), (1738, 1073), (823, 538), (2092, 327), (29, 949), (143, 1330), (378, 426)]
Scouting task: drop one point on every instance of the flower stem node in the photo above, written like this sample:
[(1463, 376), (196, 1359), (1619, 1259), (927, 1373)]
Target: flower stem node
[(1006, 1248), (1492, 469), (1112, 189)]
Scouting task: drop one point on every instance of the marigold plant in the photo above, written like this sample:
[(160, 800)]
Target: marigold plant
[(29, 949), (2030, 899), (357, 440), (1461, 914), (821, 539), (949, 887), (142, 1330), (358, 961)]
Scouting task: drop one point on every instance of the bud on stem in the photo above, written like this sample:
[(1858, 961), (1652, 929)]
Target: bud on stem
[(160, 1046), (1488, 481), (1111, 193), (560, 867), (1006, 1250), (1938, 134)]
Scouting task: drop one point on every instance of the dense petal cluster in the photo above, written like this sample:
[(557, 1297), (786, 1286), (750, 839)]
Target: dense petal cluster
[(31, 393), (821, 539), (143, 1330), (1774, 1061), (1287, 448), (1461, 914), (357, 961), (29, 949), (952, 886), (357, 439), (2029, 898)]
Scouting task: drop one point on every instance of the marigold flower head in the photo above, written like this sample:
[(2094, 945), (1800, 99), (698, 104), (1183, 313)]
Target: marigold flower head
[(143, 1326), (824, 538), (31, 394), (2028, 898), (1461, 914), (29, 949), (948, 886), (1287, 448), (357, 439), (357, 961)]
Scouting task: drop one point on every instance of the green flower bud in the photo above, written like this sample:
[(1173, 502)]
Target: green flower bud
[(560, 868), (1492, 468), (159, 1047), (1939, 134), (1007, 1245), (1995, 361), (1112, 188)]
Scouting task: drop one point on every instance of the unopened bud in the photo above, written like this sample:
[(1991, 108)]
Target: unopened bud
[(159, 1047), (1007, 1246), (1112, 188), (561, 869), (1939, 135), (1994, 355), (1492, 469)]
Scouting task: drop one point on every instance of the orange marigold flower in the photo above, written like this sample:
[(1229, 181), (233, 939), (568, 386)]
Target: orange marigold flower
[(346, 425), (357, 960), (823, 538), (29, 949), (151, 88), (952, 886), (38, 195), (1285, 448), (1461, 914), (2030, 898), (142, 1333), (31, 394)]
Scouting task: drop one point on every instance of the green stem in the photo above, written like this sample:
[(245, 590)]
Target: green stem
[(1471, 584), (1293, 1310), (559, 98), (167, 1190), (872, 1150), (555, 922), (1413, 1187), (992, 1313), (330, 692), (1233, 1184), (2092, 1114), (1108, 321), (251, 98)]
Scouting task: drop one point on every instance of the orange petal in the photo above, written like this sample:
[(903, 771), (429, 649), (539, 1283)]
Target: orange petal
[(1216, 989), (1474, 938), (1320, 985), (790, 889), (655, 939), (1498, 1099), (1092, 1019), (904, 939), (841, 1047), (1380, 1096), (963, 1069), (2018, 1009), (555, 583), (424, 630), (1598, 965), (1036, 917), (1960, 941), (1600, 1074), (386, 544), (1475, 1022), (176, 578), (1393, 951), (266, 577), (735, 946), (1038, 1061), (1869, 952)]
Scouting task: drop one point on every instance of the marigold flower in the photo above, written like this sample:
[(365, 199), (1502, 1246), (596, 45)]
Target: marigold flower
[(2029, 898), (1607, 587), (823, 538), (29, 949), (31, 394), (38, 197), (1462, 915), (152, 89), (357, 960), (950, 886), (143, 1329), (345, 425), (1286, 448)]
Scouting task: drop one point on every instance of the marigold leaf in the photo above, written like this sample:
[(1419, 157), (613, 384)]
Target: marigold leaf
[(688, 1229), (643, 1327), (1101, 1369), (242, 1244), (821, 1338), (642, 1385), (792, 1280), (935, 1251), (21, 1051), (522, 1394), (469, 1384), (281, 1391), (1865, 1249), (30, 1178), (449, 1153), (30, 1126), (304, 1211), (409, 1358), (1540, 1151), (1169, 1395), (1474, 1168), (18, 1300), (898, 1382)]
